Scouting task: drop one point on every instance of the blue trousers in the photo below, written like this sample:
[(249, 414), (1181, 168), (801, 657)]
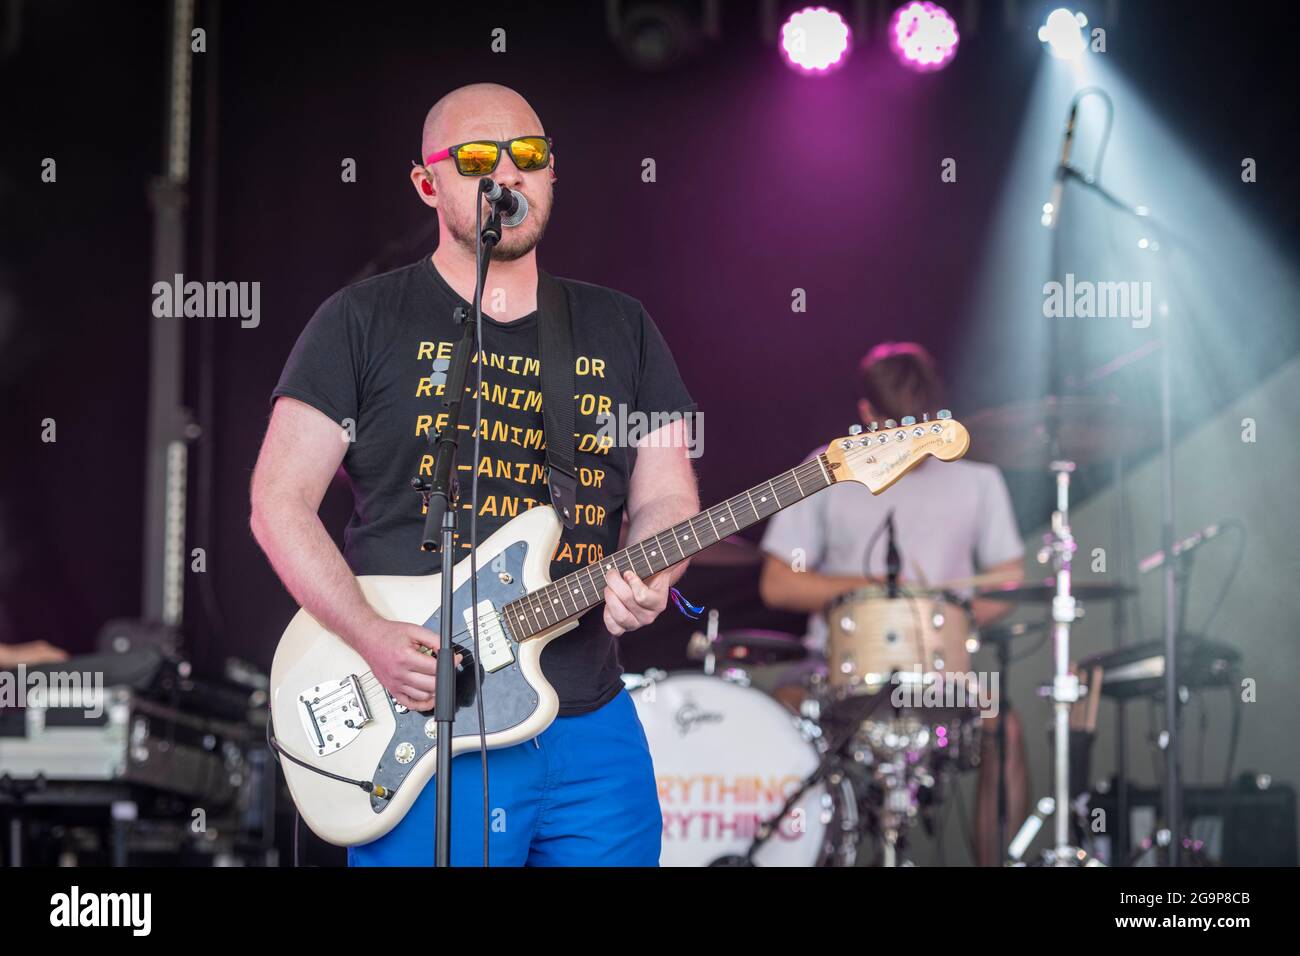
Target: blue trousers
[(581, 794)]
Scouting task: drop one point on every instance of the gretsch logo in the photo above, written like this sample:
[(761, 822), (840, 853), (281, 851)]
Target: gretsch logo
[(690, 714)]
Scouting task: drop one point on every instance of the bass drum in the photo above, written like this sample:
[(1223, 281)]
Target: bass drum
[(726, 758)]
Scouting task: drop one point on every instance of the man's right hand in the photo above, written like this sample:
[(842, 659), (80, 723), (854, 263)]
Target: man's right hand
[(393, 652)]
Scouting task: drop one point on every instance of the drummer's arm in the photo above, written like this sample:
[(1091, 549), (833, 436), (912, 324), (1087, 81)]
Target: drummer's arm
[(986, 611), (781, 586)]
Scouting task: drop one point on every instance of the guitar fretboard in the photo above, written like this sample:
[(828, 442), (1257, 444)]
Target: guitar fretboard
[(574, 593)]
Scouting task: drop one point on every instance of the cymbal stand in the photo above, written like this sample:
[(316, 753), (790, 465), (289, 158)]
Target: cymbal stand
[(1059, 549)]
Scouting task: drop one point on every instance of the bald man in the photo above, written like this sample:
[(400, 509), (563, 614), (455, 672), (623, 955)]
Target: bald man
[(583, 792)]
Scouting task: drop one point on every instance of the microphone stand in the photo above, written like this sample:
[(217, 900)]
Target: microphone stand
[(1065, 690), (440, 495)]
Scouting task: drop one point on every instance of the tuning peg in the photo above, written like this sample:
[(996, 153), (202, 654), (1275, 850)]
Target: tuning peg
[(874, 426), (909, 420), (855, 429), (890, 423), (925, 416), (943, 413)]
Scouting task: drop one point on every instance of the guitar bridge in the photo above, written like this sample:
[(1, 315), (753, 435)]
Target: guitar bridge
[(333, 714)]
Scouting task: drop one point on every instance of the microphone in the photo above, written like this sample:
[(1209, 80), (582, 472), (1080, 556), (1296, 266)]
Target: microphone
[(893, 563), (1192, 541), (1058, 186), (513, 206)]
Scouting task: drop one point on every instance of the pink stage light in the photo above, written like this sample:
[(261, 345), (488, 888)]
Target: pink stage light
[(923, 36), (815, 40)]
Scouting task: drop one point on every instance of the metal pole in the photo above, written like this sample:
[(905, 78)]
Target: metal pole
[(165, 464), (1173, 770)]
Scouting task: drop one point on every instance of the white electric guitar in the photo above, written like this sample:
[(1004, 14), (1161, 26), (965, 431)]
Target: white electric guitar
[(355, 759)]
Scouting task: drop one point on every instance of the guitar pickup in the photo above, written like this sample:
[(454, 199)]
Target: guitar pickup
[(493, 645)]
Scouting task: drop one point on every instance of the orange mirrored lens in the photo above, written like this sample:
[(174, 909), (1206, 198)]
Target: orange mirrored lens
[(476, 159), (529, 152)]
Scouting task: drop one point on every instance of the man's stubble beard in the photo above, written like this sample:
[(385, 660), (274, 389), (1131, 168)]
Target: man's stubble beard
[(467, 239)]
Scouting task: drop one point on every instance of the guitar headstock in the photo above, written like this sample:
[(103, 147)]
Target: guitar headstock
[(880, 456)]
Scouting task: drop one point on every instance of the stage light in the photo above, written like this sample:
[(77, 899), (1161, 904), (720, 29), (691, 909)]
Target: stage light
[(923, 36), (1063, 34), (654, 36), (815, 40)]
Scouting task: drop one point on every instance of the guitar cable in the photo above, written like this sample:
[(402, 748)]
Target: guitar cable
[(369, 786), (366, 785)]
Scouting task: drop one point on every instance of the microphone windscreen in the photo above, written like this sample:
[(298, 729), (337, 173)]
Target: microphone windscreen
[(520, 213)]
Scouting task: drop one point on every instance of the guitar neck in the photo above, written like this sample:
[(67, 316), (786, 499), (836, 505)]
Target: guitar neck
[(585, 588)]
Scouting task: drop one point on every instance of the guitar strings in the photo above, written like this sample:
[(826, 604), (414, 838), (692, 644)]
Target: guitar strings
[(788, 481)]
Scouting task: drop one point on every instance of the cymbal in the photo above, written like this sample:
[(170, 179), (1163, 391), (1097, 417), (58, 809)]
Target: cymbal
[(1044, 591), (1010, 632), (1088, 430), (752, 645), (987, 580)]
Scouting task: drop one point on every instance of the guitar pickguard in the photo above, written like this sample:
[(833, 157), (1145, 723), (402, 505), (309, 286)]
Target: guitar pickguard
[(508, 698)]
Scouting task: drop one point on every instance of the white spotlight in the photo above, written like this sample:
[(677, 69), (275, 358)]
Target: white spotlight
[(1063, 34)]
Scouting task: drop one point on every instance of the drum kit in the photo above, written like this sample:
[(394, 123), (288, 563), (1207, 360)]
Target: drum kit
[(744, 781), (886, 726)]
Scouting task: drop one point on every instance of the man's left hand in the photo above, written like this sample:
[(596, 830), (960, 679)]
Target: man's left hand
[(631, 603)]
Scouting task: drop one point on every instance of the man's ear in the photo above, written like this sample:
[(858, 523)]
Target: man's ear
[(864, 411), (422, 179)]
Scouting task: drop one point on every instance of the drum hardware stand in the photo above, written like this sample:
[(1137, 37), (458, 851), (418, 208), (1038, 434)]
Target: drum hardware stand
[(1060, 545), (710, 641), (1029, 829), (1004, 706), (1059, 549), (897, 801)]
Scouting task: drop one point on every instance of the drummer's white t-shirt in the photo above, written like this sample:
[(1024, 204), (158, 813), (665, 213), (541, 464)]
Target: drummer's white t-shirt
[(951, 519)]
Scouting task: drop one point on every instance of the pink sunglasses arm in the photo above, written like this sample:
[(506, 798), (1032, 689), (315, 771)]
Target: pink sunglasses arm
[(437, 157)]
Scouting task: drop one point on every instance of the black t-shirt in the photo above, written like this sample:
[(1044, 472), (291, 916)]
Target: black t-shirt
[(366, 360)]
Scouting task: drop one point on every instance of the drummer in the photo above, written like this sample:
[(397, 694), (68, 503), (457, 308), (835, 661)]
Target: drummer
[(951, 520)]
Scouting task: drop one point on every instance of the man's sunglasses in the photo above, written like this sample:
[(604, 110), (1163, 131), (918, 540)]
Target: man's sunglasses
[(481, 156)]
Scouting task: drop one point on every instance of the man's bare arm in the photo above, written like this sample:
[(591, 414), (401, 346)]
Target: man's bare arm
[(300, 454), (662, 492), (987, 611), (780, 586)]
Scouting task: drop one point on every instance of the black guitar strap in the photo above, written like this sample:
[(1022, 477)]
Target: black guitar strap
[(555, 341)]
